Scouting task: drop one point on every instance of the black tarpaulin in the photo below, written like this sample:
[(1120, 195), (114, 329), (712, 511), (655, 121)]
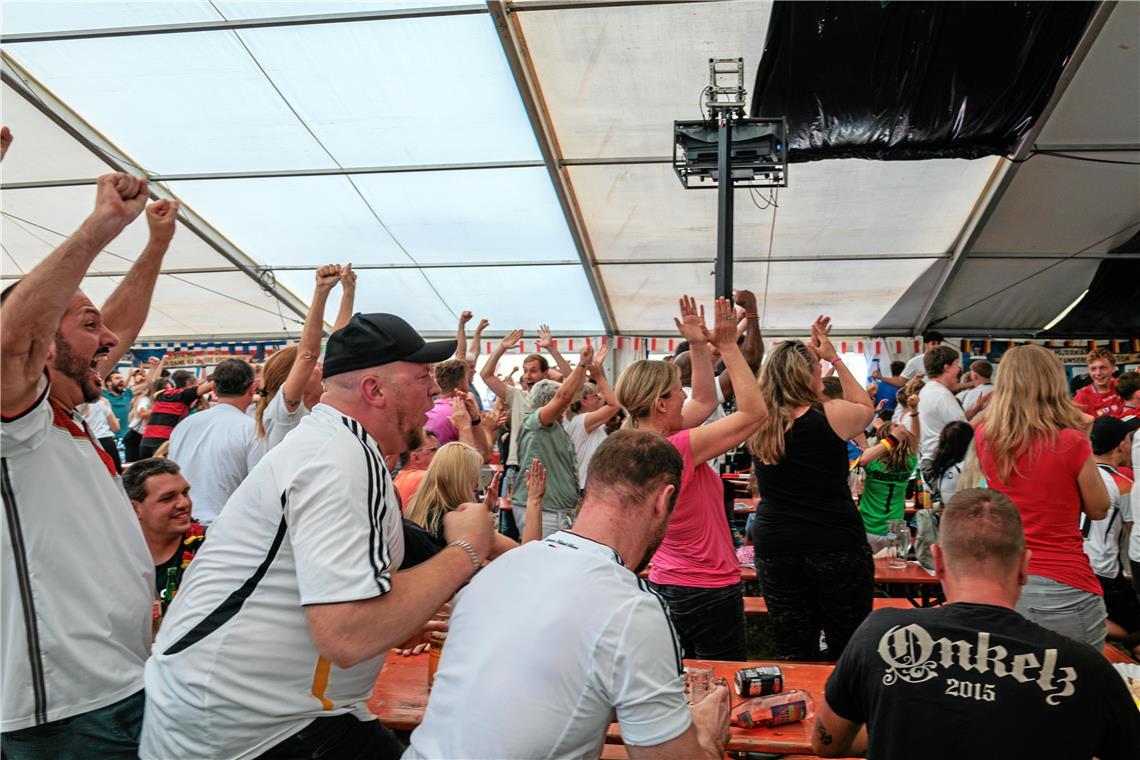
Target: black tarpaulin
[(1112, 306), (912, 80)]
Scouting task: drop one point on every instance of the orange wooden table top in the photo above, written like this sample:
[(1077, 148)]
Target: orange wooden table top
[(912, 573), (400, 698)]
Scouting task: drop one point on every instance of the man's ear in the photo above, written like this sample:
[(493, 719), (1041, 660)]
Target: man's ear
[(135, 506), (1023, 571), (662, 499)]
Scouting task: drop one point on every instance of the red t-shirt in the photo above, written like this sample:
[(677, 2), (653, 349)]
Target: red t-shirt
[(1098, 404), (697, 550), (1044, 488), (1124, 412)]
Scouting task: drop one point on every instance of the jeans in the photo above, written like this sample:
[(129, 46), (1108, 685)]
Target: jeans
[(709, 621), (108, 732), (1069, 611), (819, 591), (343, 736)]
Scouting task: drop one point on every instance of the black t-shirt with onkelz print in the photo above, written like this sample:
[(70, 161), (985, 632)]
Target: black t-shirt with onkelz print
[(979, 681)]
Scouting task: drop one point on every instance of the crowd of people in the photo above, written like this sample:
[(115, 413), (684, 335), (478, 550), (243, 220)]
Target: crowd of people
[(257, 560)]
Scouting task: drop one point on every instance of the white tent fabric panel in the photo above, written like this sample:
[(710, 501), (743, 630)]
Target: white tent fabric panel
[(177, 103), (1102, 104), (24, 16), (37, 220), (855, 294), (1057, 205), (829, 208), (1027, 306), (190, 305), (427, 108), (46, 151), (614, 79), (484, 215), (431, 299)]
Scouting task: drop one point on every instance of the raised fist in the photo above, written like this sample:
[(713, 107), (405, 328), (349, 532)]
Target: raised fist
[(162, 218)]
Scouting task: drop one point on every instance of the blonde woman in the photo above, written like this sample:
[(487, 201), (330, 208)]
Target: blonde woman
[(695, 569), (812, 555), (292, 376), (1033, 446), (587, 417), (452, 479), (888, 466)]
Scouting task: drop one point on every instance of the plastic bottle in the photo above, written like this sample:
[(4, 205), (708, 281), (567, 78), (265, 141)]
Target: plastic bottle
[(774, 710)]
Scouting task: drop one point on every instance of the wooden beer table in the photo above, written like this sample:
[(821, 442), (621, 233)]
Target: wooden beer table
[(400, 697), (923, 586)]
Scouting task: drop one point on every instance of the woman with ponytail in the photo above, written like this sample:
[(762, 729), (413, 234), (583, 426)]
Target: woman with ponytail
[(695, 568), (812, 556)]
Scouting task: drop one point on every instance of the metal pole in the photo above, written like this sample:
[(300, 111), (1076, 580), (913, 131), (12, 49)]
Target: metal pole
[(723, 278)]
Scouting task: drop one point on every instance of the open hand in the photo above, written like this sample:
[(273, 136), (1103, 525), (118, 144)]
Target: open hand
[(544, 339), (535, 481), (585, 356), (511, 340), (820, 342), (724, 325), (691, 325)]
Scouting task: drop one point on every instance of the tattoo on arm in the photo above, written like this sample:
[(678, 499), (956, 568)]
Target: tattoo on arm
[(824, 737)]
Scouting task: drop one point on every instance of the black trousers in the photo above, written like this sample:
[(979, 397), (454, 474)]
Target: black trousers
[(342, 737), (111, 447), (147, 447), (809, 593), (131, 443), (709, 621)]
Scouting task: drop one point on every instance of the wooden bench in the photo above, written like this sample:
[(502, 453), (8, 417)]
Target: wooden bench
[(755, 605), (1114, 653)]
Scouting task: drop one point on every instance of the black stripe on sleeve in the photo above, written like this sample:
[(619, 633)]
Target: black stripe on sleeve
[(232, 604), (376, 550)]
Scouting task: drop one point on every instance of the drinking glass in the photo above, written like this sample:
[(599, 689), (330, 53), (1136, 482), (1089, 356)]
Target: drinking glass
[(902, 533), (698, 683), (894, 560)]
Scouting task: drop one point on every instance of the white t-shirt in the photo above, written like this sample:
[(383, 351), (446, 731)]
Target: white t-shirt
[(77, 576), (96, 417), (605, 647), (317, 521), (1102, 537), (937, 408), (915, 366), (137, 422), (1134, 539), (278, 420), (974, 395), (518, 401), (216, 449), (585, 444), (948, 483)]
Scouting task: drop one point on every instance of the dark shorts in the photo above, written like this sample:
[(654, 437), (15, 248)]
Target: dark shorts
[(109, 732), (1121, 602), (343, 737)]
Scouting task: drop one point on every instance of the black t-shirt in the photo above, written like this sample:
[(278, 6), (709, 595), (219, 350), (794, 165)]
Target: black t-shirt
[(977, 681), (420, 544), (805, 502), (180, 559)]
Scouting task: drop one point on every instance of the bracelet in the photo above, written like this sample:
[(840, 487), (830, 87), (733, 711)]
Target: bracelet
[(837, 361), (475, 422), (751, 315), (466, 546)]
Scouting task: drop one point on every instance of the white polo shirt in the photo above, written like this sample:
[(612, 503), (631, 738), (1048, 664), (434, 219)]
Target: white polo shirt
[(77, 576), (518, 401), (937, 408), (592, 642), (1102, 537), (216, 449), (278, 420), (235, 670)]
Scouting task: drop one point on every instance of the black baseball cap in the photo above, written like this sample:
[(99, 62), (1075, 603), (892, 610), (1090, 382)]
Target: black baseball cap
[(1108, 432), (371, 340)]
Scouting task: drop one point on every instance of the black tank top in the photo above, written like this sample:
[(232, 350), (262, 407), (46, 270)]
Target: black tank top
[(805, 502)]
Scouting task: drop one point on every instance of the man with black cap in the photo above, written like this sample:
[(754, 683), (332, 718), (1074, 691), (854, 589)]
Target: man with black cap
[(278, 633), (1111, 444)]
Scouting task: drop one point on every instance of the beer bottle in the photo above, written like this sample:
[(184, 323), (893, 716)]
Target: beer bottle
[(171, 587), (774, 710)]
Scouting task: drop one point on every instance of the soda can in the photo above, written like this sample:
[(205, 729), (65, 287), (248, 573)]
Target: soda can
[(759, 682)]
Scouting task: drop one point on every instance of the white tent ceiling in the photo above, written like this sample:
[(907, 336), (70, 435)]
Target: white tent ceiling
[(393, 135)]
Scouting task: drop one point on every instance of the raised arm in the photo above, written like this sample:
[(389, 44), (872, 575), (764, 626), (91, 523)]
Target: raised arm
[(729, 432), (154, 369), (554, 409), (30, 316), (535, 491), (480, 442), (546, 343), (497, 386), (753, 345), (347, 297), (474, 348), (850, 415), (602, 414), (461, 335), (691, 325), (310, 348), (127, 308)]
